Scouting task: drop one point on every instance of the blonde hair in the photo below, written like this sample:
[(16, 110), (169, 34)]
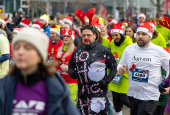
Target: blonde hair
[(103, 26), (70, 48)]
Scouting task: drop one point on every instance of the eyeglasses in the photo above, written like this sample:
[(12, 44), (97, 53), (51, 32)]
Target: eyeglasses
[(67, 36), (88, 36)]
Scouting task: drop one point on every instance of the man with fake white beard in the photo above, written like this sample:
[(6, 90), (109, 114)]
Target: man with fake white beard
[(143, 61)]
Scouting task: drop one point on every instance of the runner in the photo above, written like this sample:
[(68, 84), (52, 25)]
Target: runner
[(4, 56), (15, 32), (104, 32), (89, 64), (157, 38), (32, 87), (37, 25), (164, 31), (68, 27), (5, 28), (102, 40), (44, 21), (164, 88), (24, 23), (141, 19), (55, 41), (119, 84), (63, 56), (143, 60), (130, 31)]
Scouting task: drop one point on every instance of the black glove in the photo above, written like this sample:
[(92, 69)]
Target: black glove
[(161, 87), (103, 84)]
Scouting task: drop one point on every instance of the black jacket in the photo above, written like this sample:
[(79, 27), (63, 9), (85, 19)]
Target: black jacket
[(83, 58), (17, 20), (59, 102), (9, 34)]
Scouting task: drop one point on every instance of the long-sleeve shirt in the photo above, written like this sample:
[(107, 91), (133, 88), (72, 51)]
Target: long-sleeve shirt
[(144, 70)]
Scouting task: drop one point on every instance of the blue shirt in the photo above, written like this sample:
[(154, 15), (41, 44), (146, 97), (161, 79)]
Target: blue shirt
[(47, 31)]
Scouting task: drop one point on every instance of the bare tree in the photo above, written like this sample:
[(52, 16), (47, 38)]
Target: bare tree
[(121, 8), (41, 4), (159, 4)]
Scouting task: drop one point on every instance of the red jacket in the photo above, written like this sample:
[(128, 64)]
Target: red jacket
[(52, 48), (65, 61)]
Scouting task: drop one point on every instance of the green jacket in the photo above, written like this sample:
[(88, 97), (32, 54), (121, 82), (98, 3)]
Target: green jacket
[(105, 42), (117, 51), (165, 33), (159, 40)]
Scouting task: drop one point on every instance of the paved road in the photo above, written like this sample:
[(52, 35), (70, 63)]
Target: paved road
[(124, 109)]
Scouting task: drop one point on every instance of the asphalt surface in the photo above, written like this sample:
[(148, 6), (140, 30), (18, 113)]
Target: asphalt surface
[(125, 110)]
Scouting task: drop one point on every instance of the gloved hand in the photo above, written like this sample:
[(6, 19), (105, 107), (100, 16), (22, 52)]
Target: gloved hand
[(161, 87), (103, 84)]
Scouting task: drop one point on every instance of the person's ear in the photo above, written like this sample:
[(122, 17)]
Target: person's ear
[(95, 35)]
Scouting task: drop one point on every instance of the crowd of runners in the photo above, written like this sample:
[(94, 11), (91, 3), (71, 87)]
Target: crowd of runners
[(66, 67)]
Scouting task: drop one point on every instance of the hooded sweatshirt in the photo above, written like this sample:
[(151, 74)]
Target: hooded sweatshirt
[(159, 40), (165, 33), (117, 51)]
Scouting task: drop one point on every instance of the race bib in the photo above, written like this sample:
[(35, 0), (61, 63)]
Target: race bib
[(140, 75), (117, 78)]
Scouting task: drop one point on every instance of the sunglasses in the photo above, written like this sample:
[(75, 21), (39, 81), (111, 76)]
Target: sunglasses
[(67, 36)]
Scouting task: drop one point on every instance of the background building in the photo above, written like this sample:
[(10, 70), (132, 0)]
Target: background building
[(121, 8)]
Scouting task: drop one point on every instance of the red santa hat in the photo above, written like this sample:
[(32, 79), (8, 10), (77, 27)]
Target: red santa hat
[(141, 15), (117, 28), (25, 22), (3, 21), (153, 25), (69, 32), (61, 21), (17, 30), (37, 25), (110, 20), (145, 27), (95, 22), (68, 20)]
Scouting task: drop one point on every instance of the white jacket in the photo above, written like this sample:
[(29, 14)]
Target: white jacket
[(150, 59)]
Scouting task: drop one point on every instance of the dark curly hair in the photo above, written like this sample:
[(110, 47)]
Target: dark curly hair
[(94, 31)]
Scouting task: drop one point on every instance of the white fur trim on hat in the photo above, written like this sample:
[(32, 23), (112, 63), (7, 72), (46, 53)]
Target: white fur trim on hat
[(3, 21), (22, 24), (135, 35), (141, 15), (98, 28), (16, 31), (61, 22), (68, 21), (142, 29), (36, 26), (113, 21), (117, 30), (72, 36), (42, 18), (54, 30), (153, 26)]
